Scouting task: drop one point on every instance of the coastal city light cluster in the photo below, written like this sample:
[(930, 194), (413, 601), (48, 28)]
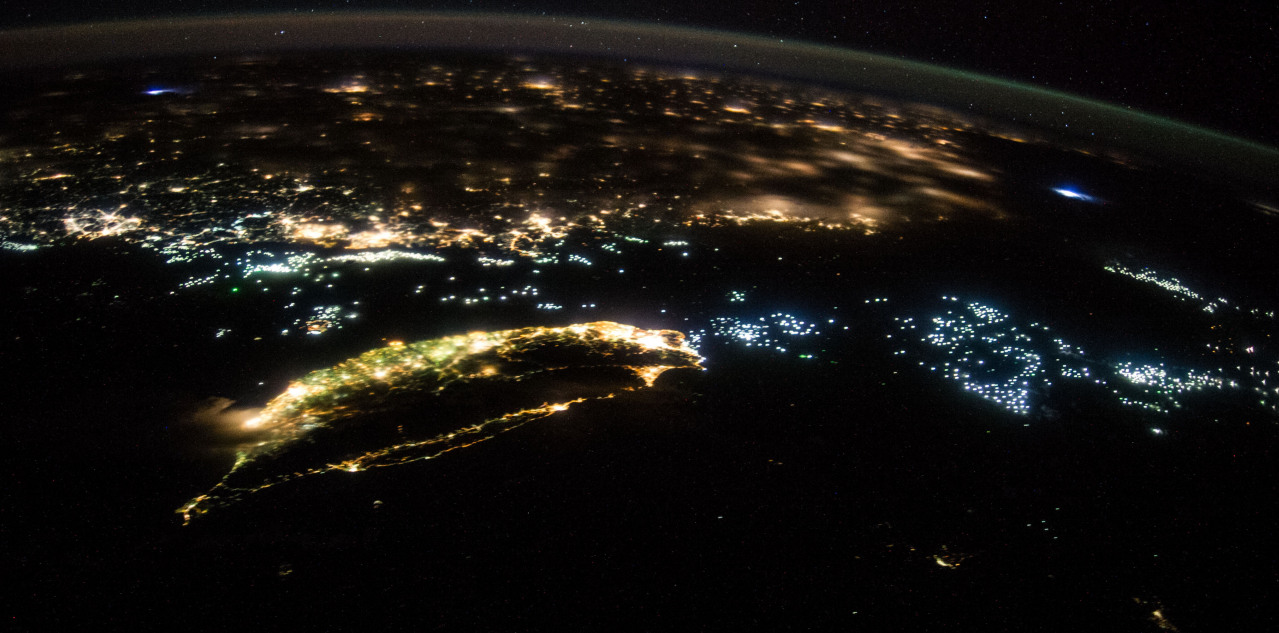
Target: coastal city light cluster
[(418, 372), (296, 278), (268, 265)]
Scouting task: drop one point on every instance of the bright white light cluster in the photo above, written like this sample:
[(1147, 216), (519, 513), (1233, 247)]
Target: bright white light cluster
[(1263, 384), (1161, 382), (15, 246), (1146, 275), (992, 356), (1075, 372), (183, 253), (1165, 381), (1065, 348), (264, 262), (198, 281), (325, 318), (1007, 363), (387, 255), (774, 331), (492, 296), (256, 261)]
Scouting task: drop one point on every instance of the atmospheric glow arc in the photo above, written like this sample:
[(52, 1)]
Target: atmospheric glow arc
[(647, 43)]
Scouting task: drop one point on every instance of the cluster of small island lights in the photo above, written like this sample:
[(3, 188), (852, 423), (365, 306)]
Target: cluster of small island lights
[(1146, 275), (328, 396), (779, 331), (1007, 363), (1177, 289), (1226, 340), (991, 356)]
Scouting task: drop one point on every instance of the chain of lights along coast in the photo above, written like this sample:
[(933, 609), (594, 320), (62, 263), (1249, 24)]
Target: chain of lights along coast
[(788, 349), (371, 382)]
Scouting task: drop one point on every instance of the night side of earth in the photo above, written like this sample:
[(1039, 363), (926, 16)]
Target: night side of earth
[(513, 340)]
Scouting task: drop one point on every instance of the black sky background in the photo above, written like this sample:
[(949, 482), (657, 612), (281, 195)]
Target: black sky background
[(1212, 64)]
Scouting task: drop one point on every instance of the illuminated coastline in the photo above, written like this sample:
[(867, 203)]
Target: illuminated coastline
[(375, 380)]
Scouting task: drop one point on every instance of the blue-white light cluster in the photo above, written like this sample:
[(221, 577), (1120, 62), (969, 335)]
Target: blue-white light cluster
[(261, 262), (17, 246), (493, 262), (1165, 386), (383, 256), (992, 356), (1009, 364), (485, 296), (1146, 275), (325, 318), (776, 331)]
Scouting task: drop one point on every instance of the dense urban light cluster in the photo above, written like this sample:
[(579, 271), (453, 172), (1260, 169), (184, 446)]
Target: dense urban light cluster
[(418, 372)]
